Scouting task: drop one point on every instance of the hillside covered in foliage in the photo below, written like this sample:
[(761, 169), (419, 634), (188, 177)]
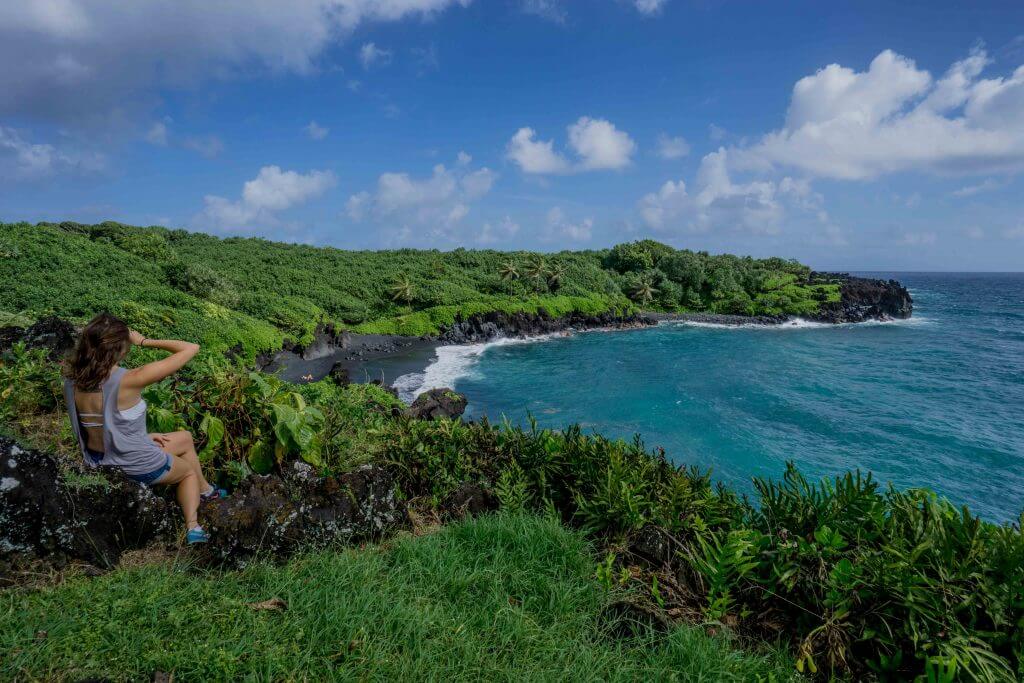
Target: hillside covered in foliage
[(857, 579), (225, 292)]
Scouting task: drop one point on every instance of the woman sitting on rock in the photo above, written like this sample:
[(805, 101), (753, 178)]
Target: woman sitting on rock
[(108, 414)]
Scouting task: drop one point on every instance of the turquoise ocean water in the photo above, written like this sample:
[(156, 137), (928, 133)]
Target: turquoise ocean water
[(935, 401)]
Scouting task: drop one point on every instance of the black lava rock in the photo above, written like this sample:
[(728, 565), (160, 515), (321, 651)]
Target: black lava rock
[(437, 403), (54, 334)]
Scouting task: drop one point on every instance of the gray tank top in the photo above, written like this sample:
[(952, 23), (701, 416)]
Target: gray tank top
[(126, 443)]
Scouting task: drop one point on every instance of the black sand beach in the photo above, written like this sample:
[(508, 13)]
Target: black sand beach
[(366, 357)]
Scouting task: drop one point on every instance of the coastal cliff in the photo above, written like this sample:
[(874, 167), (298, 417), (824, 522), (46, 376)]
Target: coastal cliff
[(862, 299), (488, 326)]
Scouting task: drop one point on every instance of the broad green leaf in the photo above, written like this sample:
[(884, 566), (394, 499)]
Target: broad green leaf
[(213, 427), (261, 458), (313, 453)]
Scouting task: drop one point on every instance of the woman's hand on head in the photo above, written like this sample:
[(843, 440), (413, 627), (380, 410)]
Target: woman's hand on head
[(135, 338)]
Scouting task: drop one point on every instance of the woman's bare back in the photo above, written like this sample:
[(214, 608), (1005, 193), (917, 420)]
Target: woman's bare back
[(90, 412)]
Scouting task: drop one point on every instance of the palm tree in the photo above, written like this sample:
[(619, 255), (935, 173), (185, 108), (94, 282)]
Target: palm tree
[(536, 269), (555, 274), (509, 273), (643, 291), (402, 290)]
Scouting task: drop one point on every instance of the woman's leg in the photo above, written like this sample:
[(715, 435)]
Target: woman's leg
[(183, 445), (184, 475)]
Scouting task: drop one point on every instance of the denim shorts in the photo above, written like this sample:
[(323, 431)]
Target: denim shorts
[(150, 477), (147, 478)]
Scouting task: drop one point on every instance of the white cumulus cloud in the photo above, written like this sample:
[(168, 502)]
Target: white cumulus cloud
[(600, 145), (535, 156), (718, 201), (596, 143), (271, 191), (426, 208), (896, 117)]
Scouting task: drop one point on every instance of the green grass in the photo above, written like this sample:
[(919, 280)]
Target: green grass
[(505, 597)]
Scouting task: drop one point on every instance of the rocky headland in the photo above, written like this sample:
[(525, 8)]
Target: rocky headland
[(862, 299)]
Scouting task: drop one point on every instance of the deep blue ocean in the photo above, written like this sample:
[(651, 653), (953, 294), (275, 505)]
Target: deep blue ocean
[(935, 401)]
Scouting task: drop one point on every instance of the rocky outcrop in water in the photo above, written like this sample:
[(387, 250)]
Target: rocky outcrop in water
[(54, 334), (437, 403), (488, 326), (862, 299)]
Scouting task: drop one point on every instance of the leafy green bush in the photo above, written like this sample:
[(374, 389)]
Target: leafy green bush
[(255, 421), (888, 583), (151, 246), (203, 282), (29, 383)]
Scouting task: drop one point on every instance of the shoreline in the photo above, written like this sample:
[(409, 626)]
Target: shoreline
[(384, 359)]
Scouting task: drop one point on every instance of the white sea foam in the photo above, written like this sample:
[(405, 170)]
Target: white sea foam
[(451, 363)]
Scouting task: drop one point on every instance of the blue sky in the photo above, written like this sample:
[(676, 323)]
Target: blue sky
[(860, 136)]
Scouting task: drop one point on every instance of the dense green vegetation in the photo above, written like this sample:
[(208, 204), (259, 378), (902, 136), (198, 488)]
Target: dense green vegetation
[(862, 580), (224, 292), (498, 598), (865, 581)]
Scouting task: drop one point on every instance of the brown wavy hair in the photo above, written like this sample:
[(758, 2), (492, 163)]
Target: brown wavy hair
[(103, 344)]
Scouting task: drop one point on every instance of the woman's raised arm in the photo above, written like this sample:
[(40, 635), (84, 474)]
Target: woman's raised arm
[(181, 353)]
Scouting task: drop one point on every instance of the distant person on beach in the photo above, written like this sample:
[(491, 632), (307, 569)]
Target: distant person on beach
[(108, 414)]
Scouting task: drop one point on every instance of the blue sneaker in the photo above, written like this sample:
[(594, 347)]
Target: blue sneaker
[(197, 535), (213, 493)]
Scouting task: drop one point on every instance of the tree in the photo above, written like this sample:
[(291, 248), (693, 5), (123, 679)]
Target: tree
[(555, 275), (630, 257), (509, 271), (643, 290), (686, 268), (536, 270), (402, 290)]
